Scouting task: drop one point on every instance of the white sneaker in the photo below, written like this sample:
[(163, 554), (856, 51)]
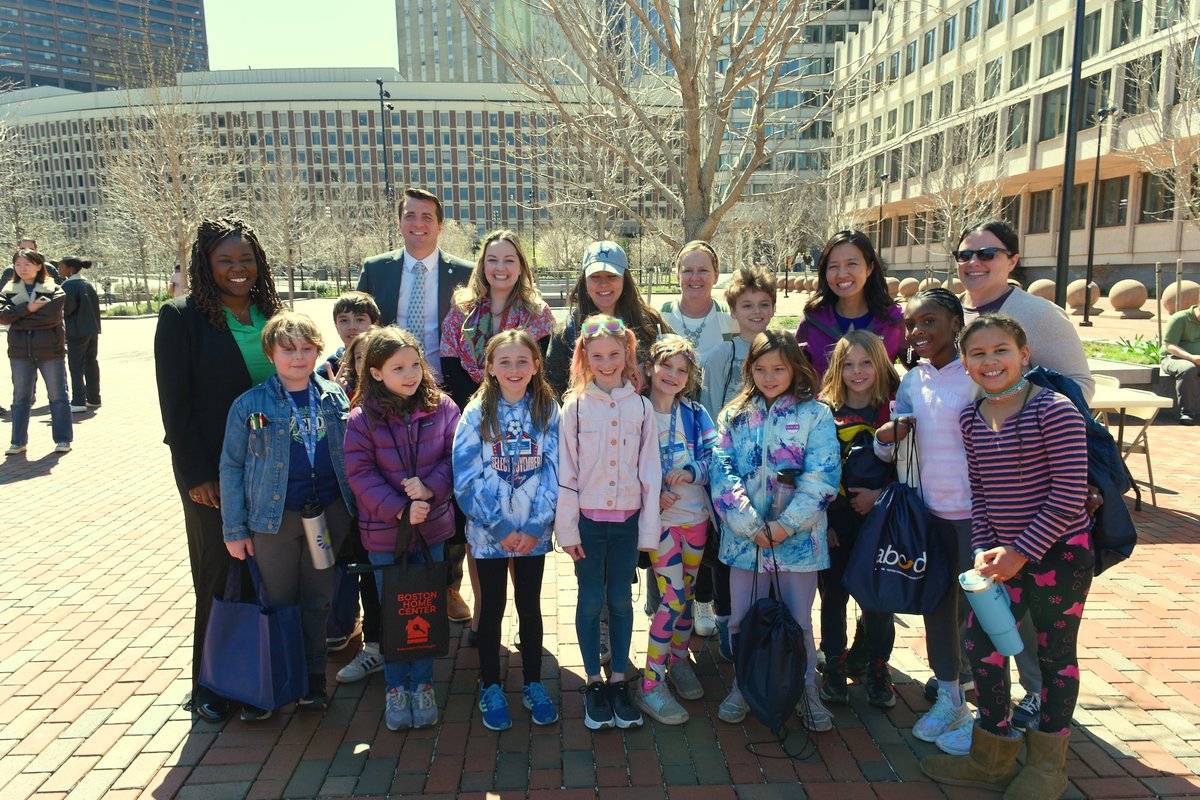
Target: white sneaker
[(368, 661), (947, 714), (661, 706), (703, 621), (79, 409), (814, 713), (14, 450), (733, 708), (957, 741), (62, 447)]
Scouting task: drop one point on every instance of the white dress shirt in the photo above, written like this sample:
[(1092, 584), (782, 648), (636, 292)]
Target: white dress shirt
[(430, 334)]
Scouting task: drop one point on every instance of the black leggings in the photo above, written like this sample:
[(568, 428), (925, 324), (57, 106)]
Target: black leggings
[(880, 628), (493, 597), (1054, 591)]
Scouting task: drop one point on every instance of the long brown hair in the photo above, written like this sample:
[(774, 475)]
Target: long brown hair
[(382, 345), (525, 292), (804, 377), (645, 321), (541, 396)]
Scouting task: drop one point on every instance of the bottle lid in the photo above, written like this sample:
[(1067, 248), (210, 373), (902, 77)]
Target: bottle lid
[(972, 581)]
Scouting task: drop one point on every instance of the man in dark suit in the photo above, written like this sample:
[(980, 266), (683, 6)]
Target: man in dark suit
[(391, 278), (412, 288)]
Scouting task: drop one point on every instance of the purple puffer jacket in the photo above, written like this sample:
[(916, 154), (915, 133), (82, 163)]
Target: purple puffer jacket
[(819, 331), (376, 464)]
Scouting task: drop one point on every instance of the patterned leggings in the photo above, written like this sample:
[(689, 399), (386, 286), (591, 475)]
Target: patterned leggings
[(675, 563), (1054, 591)]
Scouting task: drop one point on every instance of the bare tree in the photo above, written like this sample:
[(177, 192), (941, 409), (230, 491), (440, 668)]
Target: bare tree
[(281, 210), (23, 208), (1161, 132), (654, 109)]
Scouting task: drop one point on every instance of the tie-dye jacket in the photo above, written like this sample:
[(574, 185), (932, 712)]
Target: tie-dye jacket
[(508, 485), (753, 444)]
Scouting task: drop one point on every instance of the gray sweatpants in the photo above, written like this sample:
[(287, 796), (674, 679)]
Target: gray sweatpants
[(1187, 384)]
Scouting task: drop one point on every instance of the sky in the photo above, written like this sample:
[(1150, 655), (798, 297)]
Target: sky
[(266, 34)]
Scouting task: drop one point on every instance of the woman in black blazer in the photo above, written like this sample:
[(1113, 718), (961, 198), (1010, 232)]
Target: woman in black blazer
[(82, 317), (206, 353)]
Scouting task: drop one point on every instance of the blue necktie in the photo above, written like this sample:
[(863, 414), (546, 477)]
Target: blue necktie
[(415, 318)]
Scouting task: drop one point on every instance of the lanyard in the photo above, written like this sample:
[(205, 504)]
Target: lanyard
[(307, 435), (666, 452)]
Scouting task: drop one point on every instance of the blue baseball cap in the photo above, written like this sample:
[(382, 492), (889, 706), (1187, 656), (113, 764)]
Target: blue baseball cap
[(604, 256)]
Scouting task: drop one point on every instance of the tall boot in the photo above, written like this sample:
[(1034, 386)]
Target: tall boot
[(1045, 772), (991, 764)]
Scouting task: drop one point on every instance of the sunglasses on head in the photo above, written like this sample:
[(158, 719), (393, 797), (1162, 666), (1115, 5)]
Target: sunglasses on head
[(983, 254), (599, 327), (665, 353)]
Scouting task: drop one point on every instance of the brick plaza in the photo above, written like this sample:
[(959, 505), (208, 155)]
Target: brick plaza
[(95, 625)]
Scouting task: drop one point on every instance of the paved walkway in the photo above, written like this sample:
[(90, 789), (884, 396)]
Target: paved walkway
[(95, 617)]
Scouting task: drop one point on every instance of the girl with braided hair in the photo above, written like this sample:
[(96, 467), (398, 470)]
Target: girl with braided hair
[(207, 351)]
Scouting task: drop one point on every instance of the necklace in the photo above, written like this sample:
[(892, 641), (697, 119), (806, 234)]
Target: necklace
[(1009, 392), (693, 334)]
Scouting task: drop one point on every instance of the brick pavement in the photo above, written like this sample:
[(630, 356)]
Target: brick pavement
[(95, 606)]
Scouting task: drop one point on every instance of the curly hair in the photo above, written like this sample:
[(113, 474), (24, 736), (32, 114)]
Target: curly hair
[(671, 345), (209, 234)]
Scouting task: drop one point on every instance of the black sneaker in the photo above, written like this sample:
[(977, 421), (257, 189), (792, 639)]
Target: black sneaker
[(597, 710), (833, 680), (316, 699), (625, 713), (252, 714), (857, 659), (880, 691)]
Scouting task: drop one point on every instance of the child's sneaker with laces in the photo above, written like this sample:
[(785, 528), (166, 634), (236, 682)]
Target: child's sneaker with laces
[(597, 710), (494, 706), (880, 691), (733, 708), (724, 644), (703, 621), (541, 708), (1027, 711), (397, 712), (947, 713), (661, 706), (957, 741), (368, 661), (625, 713), (833, 680), (424, 706), (814, 713), (683, 677)]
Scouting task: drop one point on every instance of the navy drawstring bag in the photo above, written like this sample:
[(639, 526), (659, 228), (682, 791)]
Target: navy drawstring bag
[(771, 660)]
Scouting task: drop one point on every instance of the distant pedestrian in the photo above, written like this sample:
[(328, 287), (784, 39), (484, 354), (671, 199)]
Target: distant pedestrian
[(1181, 340), (32, 307), (207, 352), (82, 316), (178, 285)]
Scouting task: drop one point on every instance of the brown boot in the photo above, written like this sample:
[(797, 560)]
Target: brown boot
[(991, 764), (1045, 771), (456, 608)]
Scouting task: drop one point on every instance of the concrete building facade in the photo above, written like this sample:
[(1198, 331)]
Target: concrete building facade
[(79, 44), (971, 97)]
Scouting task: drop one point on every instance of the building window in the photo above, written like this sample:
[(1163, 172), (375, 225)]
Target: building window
[(966, 93), (1077, 213), (946, 101), (1019, 70), (1054, 114), (929, 47), (971, 21), (1114, 202), (1127, 22), (1040, 204), (894, 66), (891, 123), (995, 12), (1021, 5), (1158, 201), (1168, 12), (949, 34), (908, 116), (1142, 80), (926, 108), (902, 230), (992, 72), (1052, 44), (1091, 35), (1096, 93), (1010, 210), (910, 57)]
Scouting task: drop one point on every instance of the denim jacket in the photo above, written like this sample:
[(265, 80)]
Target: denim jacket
[(257, 453)]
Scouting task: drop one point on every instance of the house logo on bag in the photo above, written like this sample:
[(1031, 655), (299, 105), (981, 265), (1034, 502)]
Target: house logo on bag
[(889, 560), (417, 630)]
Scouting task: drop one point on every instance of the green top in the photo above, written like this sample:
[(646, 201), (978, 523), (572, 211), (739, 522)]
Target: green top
[(249, 341), (1183, 330)]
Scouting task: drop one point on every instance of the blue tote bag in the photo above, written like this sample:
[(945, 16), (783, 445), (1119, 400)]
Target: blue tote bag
[(253, 651)]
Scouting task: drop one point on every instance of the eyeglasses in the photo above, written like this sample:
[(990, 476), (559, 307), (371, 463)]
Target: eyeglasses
[(599, 327), (983, 254)]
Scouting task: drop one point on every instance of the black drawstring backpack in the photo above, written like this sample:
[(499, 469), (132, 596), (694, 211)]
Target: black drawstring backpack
[(771, 659)]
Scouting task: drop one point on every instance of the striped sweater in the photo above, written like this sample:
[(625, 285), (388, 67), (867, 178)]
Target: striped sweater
[(1029, 479)]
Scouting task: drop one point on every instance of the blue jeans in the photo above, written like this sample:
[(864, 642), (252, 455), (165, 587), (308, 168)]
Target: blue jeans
[(24, 378), (605, 574), (406, 674)]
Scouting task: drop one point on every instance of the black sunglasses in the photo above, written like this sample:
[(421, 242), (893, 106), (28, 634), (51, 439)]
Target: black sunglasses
[(983, 254)]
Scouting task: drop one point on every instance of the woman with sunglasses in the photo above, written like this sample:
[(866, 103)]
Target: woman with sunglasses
[(851, 295), (987, 254)]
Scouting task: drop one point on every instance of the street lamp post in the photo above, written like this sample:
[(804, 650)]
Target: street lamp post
[(1101, 115), (883, 179), (533, 210), (384, 114)]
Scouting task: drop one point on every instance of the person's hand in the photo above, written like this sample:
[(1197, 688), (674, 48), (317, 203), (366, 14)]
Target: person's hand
[(678, 476), (575, 551), (832, 537), (38, 302), (240, 549), (206, 494), (419, 512), (415, 489), (895, 430), (1000, 563), (667, 499), (518, 544), (862, 500), (1094, 500)]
